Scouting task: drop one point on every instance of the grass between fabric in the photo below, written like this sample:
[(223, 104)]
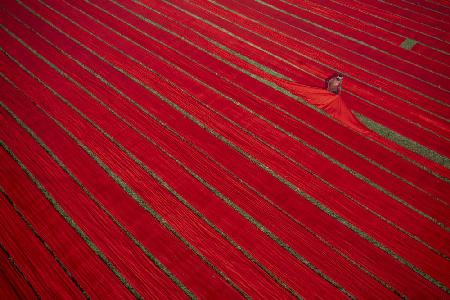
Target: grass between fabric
[(153, 140)]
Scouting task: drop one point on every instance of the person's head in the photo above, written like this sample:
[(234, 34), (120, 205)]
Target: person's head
[(340, 77)]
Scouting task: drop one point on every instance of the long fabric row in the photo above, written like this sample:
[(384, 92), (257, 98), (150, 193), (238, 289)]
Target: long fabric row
[(157, 149)]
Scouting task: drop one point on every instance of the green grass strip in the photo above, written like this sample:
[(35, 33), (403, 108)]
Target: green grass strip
[(72, 223), (357, 230), (234, 206), (16, 267), (250, 61), (142, 202), (356, 79), (356, 153), (157, 263), (404, 141), (114, 176), (408, 44), (121, 183), (354, 173), (273, 276)]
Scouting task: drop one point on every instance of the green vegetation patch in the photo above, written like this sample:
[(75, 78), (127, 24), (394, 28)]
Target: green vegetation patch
[(408, 44), (404, 141)]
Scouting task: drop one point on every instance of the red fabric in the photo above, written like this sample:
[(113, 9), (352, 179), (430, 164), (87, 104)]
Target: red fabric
[(295, 274), (24, 247), (439, 145), (360, 35), (167, 89), (331, 103), (243, 80), (416, 133), (234, 170)]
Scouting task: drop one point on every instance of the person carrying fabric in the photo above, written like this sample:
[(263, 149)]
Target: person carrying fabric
[(335, 84)]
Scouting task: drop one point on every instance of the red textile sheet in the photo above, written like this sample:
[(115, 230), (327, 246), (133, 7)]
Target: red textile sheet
[(144, 160), (252, 86), (440, 145)]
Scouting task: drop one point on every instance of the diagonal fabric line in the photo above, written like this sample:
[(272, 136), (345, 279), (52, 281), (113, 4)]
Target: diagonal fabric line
[(237, 9), (14, 265), (165, 107), (246, 41), (294, 29), (375, 21), (241, 70), (44, 243), (410, 14), (433, 6), (368, 41), (222, 233), (83, 248), (423, 11), (431, 52), (378, 14), (298, 41), (291, 116), (409, 27), (132, 194), (116, 49), (92, 197), (69, 220), (409, 57), (65, 170), (155, 145)]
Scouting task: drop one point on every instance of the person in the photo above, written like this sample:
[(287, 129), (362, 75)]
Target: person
[(335, 84)]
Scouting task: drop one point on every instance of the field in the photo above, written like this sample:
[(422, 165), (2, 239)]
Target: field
[(188, 149)]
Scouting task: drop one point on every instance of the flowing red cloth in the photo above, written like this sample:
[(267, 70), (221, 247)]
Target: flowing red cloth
[(335, 106), (331, 103)]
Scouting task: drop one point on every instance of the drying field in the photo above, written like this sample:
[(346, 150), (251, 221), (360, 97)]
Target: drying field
[(163, 149)]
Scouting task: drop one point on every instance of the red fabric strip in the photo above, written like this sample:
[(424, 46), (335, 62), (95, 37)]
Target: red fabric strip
[(281, 67)]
